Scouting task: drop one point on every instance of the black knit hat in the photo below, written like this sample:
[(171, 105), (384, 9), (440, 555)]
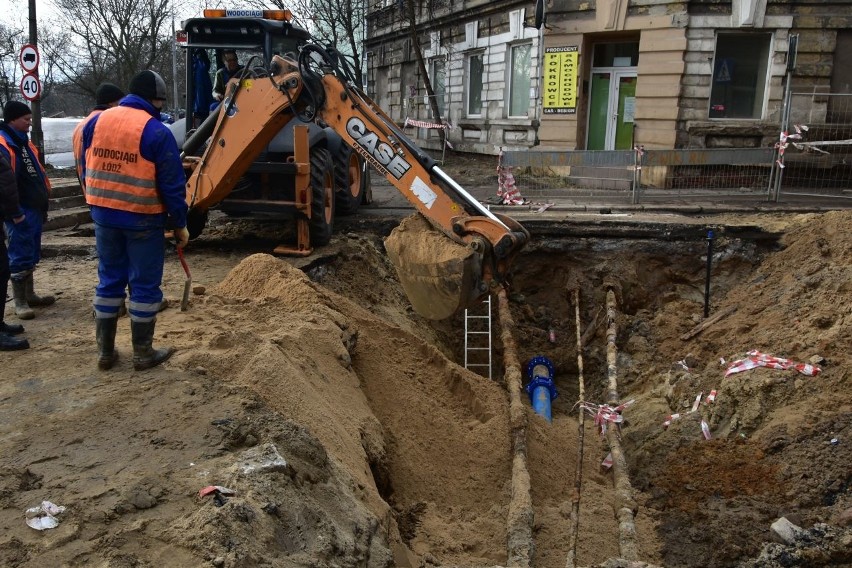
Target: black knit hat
[(148, 85), (108, 93), (15, 110)]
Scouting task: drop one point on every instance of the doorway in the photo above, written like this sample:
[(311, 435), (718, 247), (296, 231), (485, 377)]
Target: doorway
[(612, 99)]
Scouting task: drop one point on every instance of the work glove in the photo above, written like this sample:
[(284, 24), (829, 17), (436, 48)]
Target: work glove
[(181, 237)]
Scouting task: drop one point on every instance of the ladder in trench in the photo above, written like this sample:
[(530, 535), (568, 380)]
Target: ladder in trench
[(477, 340)]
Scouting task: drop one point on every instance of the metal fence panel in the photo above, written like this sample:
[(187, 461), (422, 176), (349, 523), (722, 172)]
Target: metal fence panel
[(818, 155), (812, 160), (579, 175), (714, 173)]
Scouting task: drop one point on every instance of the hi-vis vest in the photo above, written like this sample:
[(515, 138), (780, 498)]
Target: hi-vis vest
[(13, 160), (117, 176), (77, 144)]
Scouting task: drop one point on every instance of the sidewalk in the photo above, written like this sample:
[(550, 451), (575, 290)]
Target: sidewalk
[(386, 196)]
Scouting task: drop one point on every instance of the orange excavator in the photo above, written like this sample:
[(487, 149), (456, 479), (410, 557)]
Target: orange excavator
[(447, 258)]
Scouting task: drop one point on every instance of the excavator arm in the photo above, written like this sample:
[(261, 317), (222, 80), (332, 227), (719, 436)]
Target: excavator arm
[(447, 258)]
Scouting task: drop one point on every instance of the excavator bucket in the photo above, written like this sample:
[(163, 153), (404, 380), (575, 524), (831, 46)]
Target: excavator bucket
[(439, 275)]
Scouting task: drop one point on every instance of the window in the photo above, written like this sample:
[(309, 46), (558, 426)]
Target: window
[(439, 81), (519, 80), (473, 77), (740, 69)]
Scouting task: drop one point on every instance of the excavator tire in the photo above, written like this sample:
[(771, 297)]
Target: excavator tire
[(349, 180), (322, 197)]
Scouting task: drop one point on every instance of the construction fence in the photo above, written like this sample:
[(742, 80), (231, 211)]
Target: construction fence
[(812, 161)]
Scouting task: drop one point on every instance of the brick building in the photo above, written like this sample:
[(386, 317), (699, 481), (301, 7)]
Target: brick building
[(607, 74)]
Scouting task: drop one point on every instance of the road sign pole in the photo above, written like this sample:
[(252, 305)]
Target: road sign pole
[(36, 135)]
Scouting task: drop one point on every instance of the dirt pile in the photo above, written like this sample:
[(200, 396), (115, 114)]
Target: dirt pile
[(781, 439)]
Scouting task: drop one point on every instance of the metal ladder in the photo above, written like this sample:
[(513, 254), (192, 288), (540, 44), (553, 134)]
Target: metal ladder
[(476, 329)]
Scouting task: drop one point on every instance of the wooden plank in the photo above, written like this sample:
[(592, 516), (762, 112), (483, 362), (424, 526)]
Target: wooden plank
[(707, 323)]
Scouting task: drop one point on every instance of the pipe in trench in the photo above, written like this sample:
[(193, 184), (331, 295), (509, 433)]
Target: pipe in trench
[(541, 389), (624, 505), (574, 533), (519, 542)]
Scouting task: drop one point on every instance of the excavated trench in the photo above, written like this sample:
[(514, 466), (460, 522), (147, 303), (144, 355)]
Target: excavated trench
[(620, 284), (472, 476)]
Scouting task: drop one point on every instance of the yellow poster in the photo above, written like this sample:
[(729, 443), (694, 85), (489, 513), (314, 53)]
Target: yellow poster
[(560, 80)]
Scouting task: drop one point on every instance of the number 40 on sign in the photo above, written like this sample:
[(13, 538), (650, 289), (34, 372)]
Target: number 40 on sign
[(30, 87)]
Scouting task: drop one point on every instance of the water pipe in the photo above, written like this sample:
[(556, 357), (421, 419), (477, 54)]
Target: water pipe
[(541, 388)]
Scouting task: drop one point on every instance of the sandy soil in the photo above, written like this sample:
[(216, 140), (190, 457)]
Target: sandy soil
[(342, 431)]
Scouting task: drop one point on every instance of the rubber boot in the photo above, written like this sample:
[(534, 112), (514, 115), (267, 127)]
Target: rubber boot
[(9, 343), (19, 292), (11, 328), (32, 298), (144, 355), (105, 334)]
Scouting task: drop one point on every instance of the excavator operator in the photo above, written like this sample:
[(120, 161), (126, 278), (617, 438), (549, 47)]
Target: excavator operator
[(224, 74)]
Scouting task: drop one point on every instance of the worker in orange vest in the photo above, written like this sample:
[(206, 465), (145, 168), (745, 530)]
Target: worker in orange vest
[(34, 196), (134, 185)]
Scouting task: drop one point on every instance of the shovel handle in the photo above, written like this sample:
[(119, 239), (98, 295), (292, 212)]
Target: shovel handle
[(183, 262)]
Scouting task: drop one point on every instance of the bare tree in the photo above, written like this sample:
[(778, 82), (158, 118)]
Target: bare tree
[(112, 40), (336, 23), (11, 39), (410, 12)]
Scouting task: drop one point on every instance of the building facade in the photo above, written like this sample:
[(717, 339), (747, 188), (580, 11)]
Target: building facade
[(608, 74)]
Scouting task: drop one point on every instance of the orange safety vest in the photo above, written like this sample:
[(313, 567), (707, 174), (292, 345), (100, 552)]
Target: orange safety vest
[(77, 143), (13, 160), (117, 175)]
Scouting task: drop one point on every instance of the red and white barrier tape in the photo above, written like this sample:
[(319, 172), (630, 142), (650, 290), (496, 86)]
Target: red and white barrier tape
[(605, 414), (506, 188), (783, 142), (757, 359), (705, 428), (431, 125), (422, 124)]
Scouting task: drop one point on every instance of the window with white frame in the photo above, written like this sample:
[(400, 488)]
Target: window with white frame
[(439, 81), (740, 75), (473, 87), (519, 79)]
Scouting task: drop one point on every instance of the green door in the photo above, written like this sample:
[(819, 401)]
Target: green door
[(626, 111), (611, 110), (598, 112)]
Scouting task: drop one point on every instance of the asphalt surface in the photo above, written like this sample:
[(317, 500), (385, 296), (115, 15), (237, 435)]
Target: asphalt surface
[(602, 217)]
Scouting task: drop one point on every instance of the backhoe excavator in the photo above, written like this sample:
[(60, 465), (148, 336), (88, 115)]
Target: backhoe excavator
[(447, 257)]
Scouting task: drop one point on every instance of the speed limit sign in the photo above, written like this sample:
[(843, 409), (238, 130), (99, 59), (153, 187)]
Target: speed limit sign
[(30, 87)]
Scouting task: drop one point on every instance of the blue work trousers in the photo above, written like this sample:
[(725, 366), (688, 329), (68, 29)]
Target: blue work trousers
[(134, 258), (25, 241)]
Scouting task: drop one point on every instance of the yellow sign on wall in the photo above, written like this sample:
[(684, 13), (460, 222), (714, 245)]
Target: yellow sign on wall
[(560, 80)]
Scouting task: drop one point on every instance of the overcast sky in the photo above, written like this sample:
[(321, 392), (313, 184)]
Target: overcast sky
[(18, 15)]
